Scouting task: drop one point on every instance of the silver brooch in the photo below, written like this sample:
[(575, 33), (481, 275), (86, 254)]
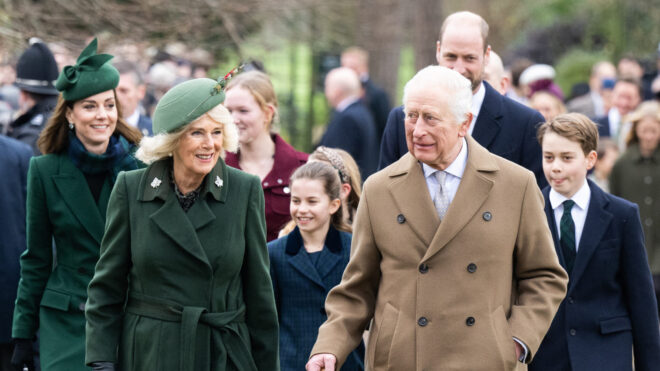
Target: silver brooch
[(156, 183), (218, 181), (286, 190)]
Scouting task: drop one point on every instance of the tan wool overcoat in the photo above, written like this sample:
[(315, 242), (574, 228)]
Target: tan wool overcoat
[(447, 295)]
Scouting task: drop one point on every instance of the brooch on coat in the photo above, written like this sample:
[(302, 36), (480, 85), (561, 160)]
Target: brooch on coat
[(218, 181), (156, 183)]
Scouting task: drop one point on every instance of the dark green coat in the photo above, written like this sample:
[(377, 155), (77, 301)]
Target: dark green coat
[(60, 208), (197, 284), (637, 179)]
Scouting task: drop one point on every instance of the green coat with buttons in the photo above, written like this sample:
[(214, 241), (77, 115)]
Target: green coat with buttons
[(177, 290), (64, 232)]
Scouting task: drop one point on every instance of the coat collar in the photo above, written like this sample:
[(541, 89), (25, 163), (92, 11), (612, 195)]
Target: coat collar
[(597, 223), (330, 256), (488, 122), (154, 182), (72, 186), (411, 195)]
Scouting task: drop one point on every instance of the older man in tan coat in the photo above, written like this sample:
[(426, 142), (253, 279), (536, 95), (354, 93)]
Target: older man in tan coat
[(451, 257)]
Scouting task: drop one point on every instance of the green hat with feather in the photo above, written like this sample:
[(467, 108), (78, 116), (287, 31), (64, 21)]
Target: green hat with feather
[(92, 74)]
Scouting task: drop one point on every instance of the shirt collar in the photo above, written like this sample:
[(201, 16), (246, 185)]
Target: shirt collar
[(456, 168), (477, 101), (345, 103), (581, 197), (134, 118)]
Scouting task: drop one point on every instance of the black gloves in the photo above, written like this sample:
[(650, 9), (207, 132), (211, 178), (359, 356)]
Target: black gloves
[(23, 356)]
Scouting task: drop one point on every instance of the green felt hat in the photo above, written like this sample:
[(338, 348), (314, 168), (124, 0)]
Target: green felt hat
[(185, 102), (92, 74)]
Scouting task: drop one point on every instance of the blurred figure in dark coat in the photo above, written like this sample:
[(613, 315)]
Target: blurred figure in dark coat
[(13, 184)]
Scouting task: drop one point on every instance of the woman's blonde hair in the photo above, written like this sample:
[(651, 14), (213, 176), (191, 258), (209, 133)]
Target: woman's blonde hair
[(261, 88), (162, 145), (646, 109)]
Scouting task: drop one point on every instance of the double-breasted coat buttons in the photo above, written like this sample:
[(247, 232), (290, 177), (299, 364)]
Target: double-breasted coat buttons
[(400, 219), (469, 321), (472, 268), (487, 216), (422, 321), (423, 268)]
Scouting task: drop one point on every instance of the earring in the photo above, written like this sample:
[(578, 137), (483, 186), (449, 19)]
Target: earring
[(71, 127)]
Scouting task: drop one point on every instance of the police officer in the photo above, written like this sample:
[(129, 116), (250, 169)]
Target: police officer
[(36, 72)]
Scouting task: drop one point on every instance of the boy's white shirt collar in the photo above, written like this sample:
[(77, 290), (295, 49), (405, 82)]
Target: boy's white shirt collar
[(581, 197)]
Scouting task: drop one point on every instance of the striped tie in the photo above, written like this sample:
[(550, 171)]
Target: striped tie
[(567, 239)]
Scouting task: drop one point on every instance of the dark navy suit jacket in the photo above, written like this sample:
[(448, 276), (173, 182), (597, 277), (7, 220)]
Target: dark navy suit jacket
[(14, 162), (144, 125), (379, 105), (610, 307), (505, 127), (300, 291), (354, 131)]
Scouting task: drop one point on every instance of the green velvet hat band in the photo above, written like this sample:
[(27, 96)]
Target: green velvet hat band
[(92, 74)]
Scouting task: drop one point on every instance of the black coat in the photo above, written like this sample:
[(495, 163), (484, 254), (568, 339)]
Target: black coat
[(13, 185), (505, 127), (609, 312), (378, 102), (354, 131), (28, 126)]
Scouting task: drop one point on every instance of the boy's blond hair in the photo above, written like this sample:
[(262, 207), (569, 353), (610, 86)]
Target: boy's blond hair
[(575, 127)]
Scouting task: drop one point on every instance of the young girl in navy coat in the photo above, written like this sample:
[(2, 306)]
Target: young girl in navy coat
[(308, 262)]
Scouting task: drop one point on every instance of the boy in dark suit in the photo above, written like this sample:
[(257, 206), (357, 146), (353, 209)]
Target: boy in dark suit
[(609, 311)]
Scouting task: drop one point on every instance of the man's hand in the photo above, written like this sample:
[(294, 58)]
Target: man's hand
[(519, 349), (322, 361)]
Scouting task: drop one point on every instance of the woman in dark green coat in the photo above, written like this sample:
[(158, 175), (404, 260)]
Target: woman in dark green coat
[(183, 279), (85, 144)]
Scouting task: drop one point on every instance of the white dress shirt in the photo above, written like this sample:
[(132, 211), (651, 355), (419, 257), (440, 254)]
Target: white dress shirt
[(454, 172), (578, 212), (133, 119), (477, 102)]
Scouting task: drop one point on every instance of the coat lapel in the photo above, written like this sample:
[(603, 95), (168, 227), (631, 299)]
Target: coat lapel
[(296, 256), (73, 188), (552, 224), (472, 193), (170, 217), (597, 222), (409, 191), (331, 255), (488, 121)]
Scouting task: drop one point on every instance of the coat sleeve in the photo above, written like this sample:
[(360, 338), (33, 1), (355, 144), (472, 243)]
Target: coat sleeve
[(389, 146), (540, 280), (350, 305), (261, 315), (36, 260), (107, 290), (531, 150), (639, 294)]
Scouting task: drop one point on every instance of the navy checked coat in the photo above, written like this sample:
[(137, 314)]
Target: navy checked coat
[(300, 292), (609, 312)]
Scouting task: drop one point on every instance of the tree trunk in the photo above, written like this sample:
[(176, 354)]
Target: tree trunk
[(426, 19)]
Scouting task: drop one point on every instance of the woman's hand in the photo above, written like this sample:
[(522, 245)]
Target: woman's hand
[(322, 361)]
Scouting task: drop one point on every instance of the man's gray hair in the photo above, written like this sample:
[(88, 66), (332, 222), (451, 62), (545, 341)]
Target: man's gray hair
[(457, 89)]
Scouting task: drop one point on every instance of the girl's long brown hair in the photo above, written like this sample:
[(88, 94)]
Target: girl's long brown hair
[(329, 178)]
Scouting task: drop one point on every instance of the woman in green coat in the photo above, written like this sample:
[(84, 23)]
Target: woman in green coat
[(85, 144), (183, 279)]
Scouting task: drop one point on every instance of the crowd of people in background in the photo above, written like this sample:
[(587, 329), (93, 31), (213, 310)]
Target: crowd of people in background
[(119, 176)]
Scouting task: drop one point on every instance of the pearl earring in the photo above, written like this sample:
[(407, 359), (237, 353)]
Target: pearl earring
[(71, 125)]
